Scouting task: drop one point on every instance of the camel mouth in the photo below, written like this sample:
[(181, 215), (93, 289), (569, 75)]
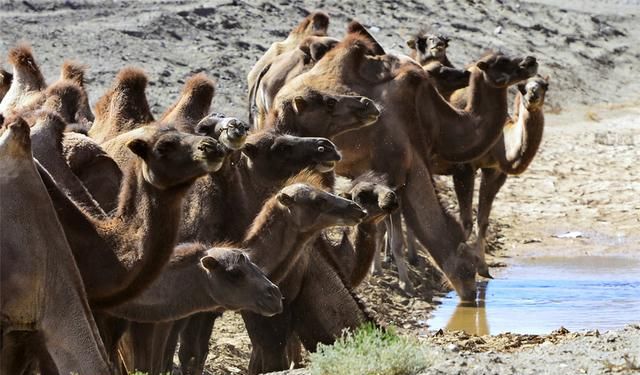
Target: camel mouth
[(325, 166), (213, 165), (269, 307), (233, 142)]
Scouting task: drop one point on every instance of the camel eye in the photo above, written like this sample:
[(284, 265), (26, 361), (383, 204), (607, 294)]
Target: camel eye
[(320, 148), (331, 103)]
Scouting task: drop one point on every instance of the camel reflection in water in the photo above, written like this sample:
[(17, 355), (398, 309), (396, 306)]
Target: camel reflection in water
[(471, 317)]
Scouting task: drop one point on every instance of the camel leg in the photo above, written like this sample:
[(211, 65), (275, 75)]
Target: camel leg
[(381, 244), (412, 248), (173, 336), (17, 354), (269, 341), (397, 249), (194, 342), (492, 181), (294, 350), (463, 181)]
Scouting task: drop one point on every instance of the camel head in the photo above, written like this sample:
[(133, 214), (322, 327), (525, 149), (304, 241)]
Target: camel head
[(447, 77), (173, 158), (461, 269), (236, 283), (287, 155), (373, 194), (5, 82), (533, 91), (312, 209), (229, 131), (15, 138), (317, 113), (428, 47), (503, 71), (315, 47)]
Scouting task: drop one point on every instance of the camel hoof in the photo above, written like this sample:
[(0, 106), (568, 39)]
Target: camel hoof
[(406, 287)]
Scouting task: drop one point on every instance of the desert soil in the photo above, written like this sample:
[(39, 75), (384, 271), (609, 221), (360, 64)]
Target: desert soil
[(585, 178)]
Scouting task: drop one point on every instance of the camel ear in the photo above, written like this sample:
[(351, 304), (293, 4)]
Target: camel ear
[(298, 104), (210, 263), (522, 88), (411, 43), (139, 147), (250, 150), (482, 65), (285, 199), (446, 41)]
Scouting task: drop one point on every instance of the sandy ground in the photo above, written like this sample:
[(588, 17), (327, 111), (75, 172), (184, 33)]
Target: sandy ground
[(584, 180)]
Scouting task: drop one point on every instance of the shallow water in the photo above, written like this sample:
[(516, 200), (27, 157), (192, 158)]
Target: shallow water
[(541, 294)]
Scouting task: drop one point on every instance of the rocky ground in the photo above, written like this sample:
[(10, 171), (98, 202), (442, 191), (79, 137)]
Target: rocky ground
[(585, 178)]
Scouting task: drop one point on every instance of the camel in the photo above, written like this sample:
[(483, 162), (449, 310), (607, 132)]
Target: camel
[(426, 48), (414, 115), (282, 69), (193, 103), (43, 298), (28, 84), (314, 24), (124, 107), (510, 155), (5, 82)]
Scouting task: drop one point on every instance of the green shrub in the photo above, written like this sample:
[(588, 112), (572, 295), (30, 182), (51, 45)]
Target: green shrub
[(370, 351)]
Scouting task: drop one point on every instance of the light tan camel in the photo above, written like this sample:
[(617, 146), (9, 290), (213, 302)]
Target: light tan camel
[(41, 290)]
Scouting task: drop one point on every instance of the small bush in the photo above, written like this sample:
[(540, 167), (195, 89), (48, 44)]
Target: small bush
[(370, 351)]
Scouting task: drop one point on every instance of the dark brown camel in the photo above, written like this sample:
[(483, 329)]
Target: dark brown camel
[(124, 107), (28, 84), (315, 24), (282, 69), (416, 115), (43, 298)]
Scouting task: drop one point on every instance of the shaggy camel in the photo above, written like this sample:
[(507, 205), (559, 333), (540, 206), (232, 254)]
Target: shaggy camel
[(416, 115), (43, 298), (284, 68), (511, 155), (124, 107), (192, 105), (28, 84), (427, 48), (5, 82), (315, 24)]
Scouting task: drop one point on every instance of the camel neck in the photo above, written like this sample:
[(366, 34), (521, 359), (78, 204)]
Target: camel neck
[(365, 245), (486, 101), (165, 298), (273, 243), (521, 140)]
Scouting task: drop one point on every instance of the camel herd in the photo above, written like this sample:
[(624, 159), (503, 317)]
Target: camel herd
[(141, 230)]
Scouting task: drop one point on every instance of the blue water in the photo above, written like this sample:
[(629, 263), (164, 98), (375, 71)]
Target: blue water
[(541, 294)]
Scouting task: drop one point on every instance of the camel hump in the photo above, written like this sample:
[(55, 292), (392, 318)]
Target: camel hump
[(356, 27), (22, 56), (199, 84), (131, 79), (73, 71), (318, 21), (67, 91)]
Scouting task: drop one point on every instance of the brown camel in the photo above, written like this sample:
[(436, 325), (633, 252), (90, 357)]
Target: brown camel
[(415, 115), (43, 298), (282, 69), (447, 79), (5, 82), (28, 84), (124, 107), (427, 48), (315, 24), (511, 155)]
